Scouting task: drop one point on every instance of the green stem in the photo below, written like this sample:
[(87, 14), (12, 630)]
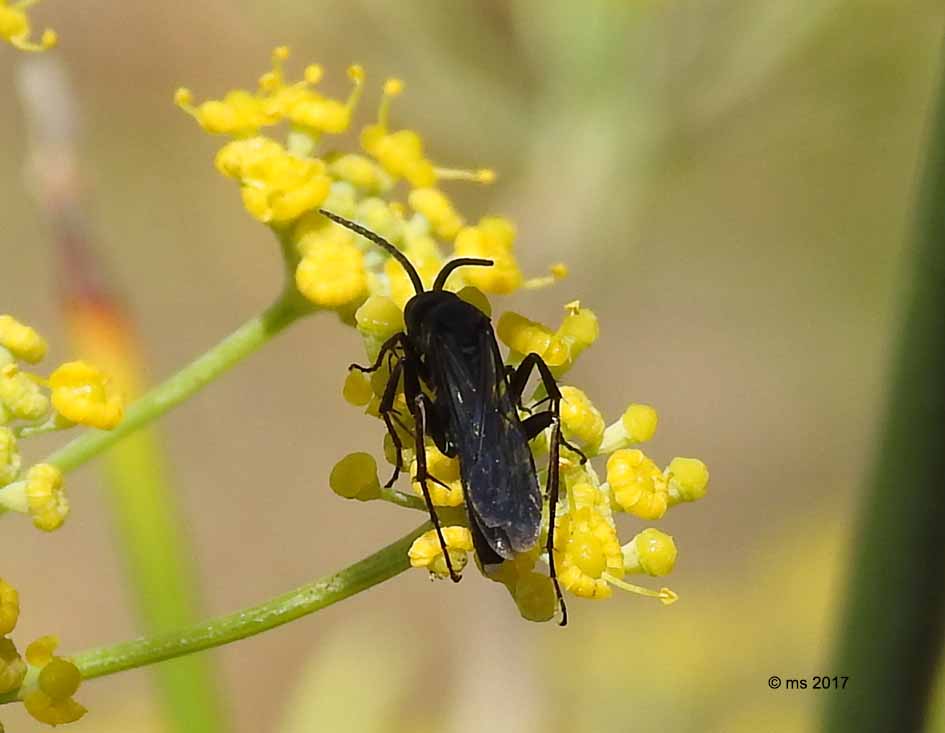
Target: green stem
[(189, 380), (372, 570), (892, 628)]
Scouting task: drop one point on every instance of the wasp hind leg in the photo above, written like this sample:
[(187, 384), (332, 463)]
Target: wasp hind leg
[(533, 425)]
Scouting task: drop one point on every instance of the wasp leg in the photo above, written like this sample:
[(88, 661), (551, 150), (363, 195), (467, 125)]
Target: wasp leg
[(388, 347), (388, 414), (552, 418), (418, 404)]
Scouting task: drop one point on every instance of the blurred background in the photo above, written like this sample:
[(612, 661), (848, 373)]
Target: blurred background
[(731, 182)]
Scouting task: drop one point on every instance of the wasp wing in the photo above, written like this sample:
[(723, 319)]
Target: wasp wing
[(496, 464)]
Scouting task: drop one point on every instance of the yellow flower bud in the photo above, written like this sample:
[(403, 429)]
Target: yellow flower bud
[(355, 477), (637, 484), (651, 552), (21, 340), (82, 394), (15, 28), (534, 595), (332, 275), (446, 471), (688, 479), (640, 422), (40, 652), (522, 335), (357, 390), (9, 607), (12, 666), (45, 496), (425, 552), (581, 422), (379, 317)]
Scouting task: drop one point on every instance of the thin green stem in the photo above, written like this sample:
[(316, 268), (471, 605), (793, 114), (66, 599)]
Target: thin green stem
[(372, 570), (189, 380)]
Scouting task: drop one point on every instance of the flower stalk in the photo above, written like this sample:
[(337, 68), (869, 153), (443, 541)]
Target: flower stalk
[(304, 600)]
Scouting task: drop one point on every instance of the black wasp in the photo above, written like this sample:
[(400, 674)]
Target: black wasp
[(460, 392)]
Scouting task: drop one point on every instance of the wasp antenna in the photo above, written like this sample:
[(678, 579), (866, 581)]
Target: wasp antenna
[(452, 265), (381, 242)]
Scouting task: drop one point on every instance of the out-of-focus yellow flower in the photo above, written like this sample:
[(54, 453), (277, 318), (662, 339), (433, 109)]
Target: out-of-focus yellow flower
[(638, 485), (51, 700), (9, 456), (82, 394), (355, 477), (20, 396), (361, 172), (586, 548), (15, 27), (438, 210), (12, 666), (332, 275), (491, 239), (425, 552), (21, 340), (651, 552), (581, 422), (688, 479), (447, 489), (239, 113), (46, 497), (9, 607)]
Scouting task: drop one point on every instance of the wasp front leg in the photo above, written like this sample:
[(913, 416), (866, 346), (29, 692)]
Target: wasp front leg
[(418, 403), (388, 347)]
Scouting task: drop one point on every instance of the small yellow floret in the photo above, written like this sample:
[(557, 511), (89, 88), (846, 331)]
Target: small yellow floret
[(20, 395), (355, 477), (357, 389), (379, 317), (51, 702), (332, 275), (438, 210), (359, 171), (21, 340), (581, 422), (40, 652), (640, 423), (239, 113), (522, 335), (425, 552), (9, 456), (688, 479), (587, 549), (9, 607), (637, 484), (491, 239), (45, 497), (15, 27), (651, 552), (475, 297), (82, 394), (12, 666), (445, 470)]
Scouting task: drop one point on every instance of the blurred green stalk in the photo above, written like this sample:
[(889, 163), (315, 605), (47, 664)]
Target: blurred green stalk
[(891, 632)]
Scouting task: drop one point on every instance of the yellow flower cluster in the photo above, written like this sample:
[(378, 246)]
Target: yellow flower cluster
[(76, 393), (15, 27), (391, 187), (48, 697)]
